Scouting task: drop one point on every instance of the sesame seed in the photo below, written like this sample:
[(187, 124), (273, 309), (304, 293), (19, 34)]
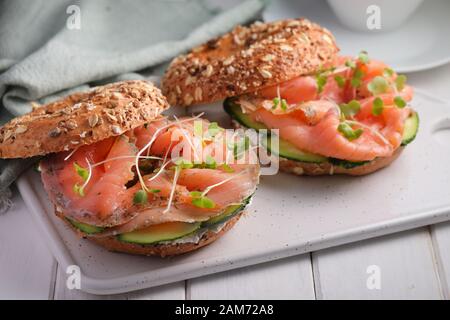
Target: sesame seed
[(21, 129), (265, 73), (198, 94), (189, 80), (188, 99), (268, 57), (93, 120), (327, 39), (56, 132), (228, 61), (116, 129), (286, 48), (208, 71)]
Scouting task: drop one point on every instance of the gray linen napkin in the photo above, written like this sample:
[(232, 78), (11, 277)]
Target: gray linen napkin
[(49, 48)]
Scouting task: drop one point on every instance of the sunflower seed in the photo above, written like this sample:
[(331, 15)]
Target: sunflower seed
[(93, 120)]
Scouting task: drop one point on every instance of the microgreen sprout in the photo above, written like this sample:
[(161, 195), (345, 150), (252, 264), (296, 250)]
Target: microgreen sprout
[(210, 162), (399, 102), (225, 167), (377, 106), (350, 63), (340, 81), (321, 81), (172, 191), (279, 102), (357, 78), (348, 132), (350, 109), (388, 72), (201, 201), (378, 85), (183, 163), (149, 144), (140, 197), (82, 172), (400, 82), (214, 129), (364, 57)]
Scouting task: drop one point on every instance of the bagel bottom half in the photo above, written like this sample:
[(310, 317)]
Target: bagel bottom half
[(327, 168), (111, 243)]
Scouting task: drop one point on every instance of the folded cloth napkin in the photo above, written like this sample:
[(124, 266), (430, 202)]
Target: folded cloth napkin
[(49, 48)]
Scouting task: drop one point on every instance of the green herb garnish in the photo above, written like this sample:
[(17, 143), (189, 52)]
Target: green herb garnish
[(388, 72), (363, 57), (340, 81), (183, 163), (78, 190), (140, 197), (214, 129), (400, 82), (378, 85), (377, 107), (351, 108), (201, 201), (227, 168), (350, 64), (321, 81), (210, 162), (155, 190), (348, 132), (82, 172), (284, 105), (357, 78), (277, 102), (399, 102), (198, 128)]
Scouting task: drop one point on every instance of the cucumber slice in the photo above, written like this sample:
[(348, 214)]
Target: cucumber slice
[(166, 231), (411, 128), (160, 232), (229, 212), (86, 228), (289, 151)]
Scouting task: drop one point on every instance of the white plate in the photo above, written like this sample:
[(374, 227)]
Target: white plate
[(419, 44), (289, 215)]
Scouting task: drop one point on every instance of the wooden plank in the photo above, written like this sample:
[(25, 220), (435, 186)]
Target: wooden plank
[(27, 266), (283, 279), (440, 235), (404, 263), (174, 291)]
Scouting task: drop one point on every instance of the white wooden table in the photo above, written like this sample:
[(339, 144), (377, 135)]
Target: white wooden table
[(413, 265)]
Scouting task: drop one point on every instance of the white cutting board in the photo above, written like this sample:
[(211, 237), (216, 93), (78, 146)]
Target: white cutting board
[(289, 215)]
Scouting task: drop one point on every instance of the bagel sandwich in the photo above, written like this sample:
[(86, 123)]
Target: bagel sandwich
[(334, 114), (109, 165)]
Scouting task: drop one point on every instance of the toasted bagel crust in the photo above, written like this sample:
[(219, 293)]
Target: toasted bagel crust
[(248, 59), (318, 169), (82, 118), (162, 250)]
